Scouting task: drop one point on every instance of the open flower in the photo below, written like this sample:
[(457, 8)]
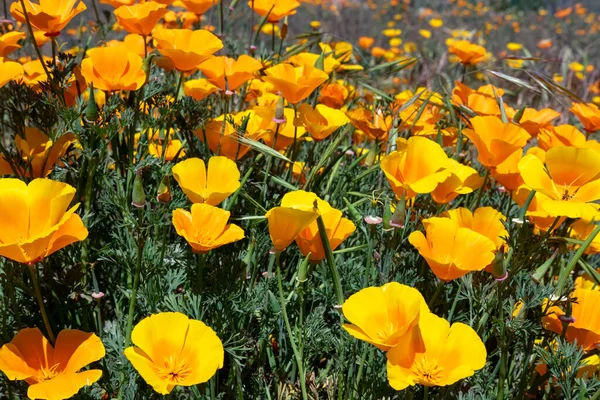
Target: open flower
[(49, 16), (199, 7), (467, 52), (533, 120), (140, 18), (9, 70), (386, 316), (52, 372), (452, 250), (113, 69), (36, 221), (229, 74), (462, 180), (375, 124), (9, 42), (338, 229), (321, 121), (209, 185), (277, 9), (295, 83), (184, 48), (584, 309), (38, 153), (564, 135), (298, 210), (417, 166), (199, 89), (451, 353), (495, 140), (172, 350), (588, 114), (570, 180), (206, 228)]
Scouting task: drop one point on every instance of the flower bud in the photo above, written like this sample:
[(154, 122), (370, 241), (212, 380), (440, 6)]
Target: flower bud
[(164, 190), (498, 265), (138, 197), (280, 111), (91, 110)]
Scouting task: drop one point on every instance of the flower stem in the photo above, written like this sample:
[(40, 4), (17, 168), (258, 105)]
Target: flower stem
[(482, 189), (339, 292), (503, 354), (38, 295), (286, 320), (136, 283), (436, 294)]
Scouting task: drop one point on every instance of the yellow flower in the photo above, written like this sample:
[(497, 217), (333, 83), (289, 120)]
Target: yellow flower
[(113, 69), (417, 166), (462, 180), (386, 316), (209, 185), (277, 9), (321, 121), (36, 220), (172, 350), (186, 49), (338, 229), (436, 23), (467, 52), (140, 18), (52, 373), (230, 74), (451, 353), (298, 210), (206, 228), (49, 16), (199, 89), (569, 182), (588, 114), (9, 42), (9, 70), (514, 46), (295, 83), (425, 33)]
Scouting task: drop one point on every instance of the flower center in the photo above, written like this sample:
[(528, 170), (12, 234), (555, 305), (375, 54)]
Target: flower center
[(174, 370), (47, 374), (428, 372), (566, 196)]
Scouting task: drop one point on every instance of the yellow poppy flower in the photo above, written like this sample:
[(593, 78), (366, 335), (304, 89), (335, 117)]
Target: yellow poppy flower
[(113, 69), (295, 83), (277, 9), (211, 184), (52, 373), (49, 16), (199, 7), (229, 74), (588, 114), (199, 89), (321, 121), (451, 353), (186, 49), (462, 180), (36, 221), (467, 52), (338, 229), (9, 70), (172, 350), (140, 18), (533, 120), (386, 316), (9, 42)]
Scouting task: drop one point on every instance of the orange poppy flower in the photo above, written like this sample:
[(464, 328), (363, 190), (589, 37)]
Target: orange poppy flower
[(588, 114), (38, 152), (321, 121), (209, 185), (375, 124), (9, 42), (198, 7), (417, 166), (205, 228), (140, 18), (365, 42), (584, 309), (52, 372), (507, 172), (199, 89), (462, 180), (277, 9), (452, 250), (295, 83), (229, 74), (9, 70), (333, 95), (37, 221), (49, 16), (338, 229), (186, 49), (569, 181), (112, 69), (495, 140), (533, 120), (118, 3), (467, 52)]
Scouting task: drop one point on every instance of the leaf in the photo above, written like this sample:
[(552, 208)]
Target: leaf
[(516, 81), (262, 148)]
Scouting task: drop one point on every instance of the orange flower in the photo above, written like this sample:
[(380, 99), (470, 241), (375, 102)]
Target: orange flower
[(338, 229), (584, 309), (206, 228), (569, 182), (462, 180), (481, 101), (495, 140), (199, 89), (112, 69), (52, 372), (118, 3), (333, 95), (507, 172), (485, 220), (9, 70), (277, 9), (186, 49), (49, 16), (588, 114), (198, 7), (452, 250), (279, 135), (321, 121), (229, 74), (375, 124), (417, 166), (38, 152), (365, 42), (532, 120), (209, 185), (8, 42), (36, 219), (467, 52), (295, 83), (140, 18), (562, 135)]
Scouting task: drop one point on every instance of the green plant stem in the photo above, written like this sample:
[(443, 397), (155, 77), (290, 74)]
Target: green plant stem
[(38, 296), (436, 294), (425, 392), (297, 354), (235, 195), (564, 275), (503, 346), (486, 179), (136, 283), (179, 83), (200, 264), (337, 283), (35, 46)]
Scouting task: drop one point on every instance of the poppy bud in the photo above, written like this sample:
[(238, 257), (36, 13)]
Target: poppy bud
[(320, 63), (279, 111), (352, 210), (164, 190), (498, 265), (387, 217), (138, 197), (91, 110), (284, 28), (303, 269)]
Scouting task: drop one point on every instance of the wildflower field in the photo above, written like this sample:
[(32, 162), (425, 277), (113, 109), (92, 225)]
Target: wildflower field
[(299, 199)]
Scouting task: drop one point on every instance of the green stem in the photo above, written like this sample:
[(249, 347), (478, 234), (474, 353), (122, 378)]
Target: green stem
[(562, 281), (136, 283), (482, 189), (297, 354), (38, 295), (503, 346), (200, 264), (339, 292), (425, 392), (179, 83), (436, 294)]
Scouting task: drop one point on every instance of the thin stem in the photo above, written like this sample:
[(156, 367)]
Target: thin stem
[(179, 83), (503, 354), (425, 392), (38, 295), (331, 261), (482, 189), (136, 283), (200, 264), (297, 354)]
